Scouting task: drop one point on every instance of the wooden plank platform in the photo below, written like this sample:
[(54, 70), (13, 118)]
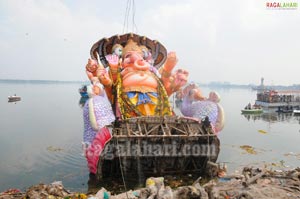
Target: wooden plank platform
[(155, 145)]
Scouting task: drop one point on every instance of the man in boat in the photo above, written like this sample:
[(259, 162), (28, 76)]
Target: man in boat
[(248, 106)]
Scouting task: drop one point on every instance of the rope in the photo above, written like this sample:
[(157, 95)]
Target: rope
[(128, 13), (173, 104), (133, 18), (121, 168), (126, 16), (130, 10)]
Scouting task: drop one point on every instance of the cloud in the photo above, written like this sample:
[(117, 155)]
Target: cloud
[(48, 40), (236, 41)]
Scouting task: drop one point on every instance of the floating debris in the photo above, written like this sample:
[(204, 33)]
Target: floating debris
[(262, 131), (54, 149), (248, 149)]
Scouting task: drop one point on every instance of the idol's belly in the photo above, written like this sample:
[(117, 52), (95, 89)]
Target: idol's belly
[(142, 82)]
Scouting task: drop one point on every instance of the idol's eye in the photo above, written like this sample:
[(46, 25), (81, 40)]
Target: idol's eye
[(128, 55), (145, 53), (118, 51)]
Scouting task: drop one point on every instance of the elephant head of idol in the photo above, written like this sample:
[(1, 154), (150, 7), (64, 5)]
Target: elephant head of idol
[(111, 51), (133, 57)]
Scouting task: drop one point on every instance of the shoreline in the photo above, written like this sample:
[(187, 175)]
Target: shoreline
[(251, 183)]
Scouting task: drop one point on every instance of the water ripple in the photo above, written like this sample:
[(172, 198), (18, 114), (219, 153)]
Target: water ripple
[(70, 156)]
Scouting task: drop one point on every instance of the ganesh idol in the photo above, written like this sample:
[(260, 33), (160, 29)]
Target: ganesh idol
[(130, 76), (137, 74)]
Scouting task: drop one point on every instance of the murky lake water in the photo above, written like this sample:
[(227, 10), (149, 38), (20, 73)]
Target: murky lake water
[(41, 135)]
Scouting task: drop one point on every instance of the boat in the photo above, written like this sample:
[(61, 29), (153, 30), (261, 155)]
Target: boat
[(252, 111), (14, 98), (296, 112), (83, 91), (279, 99)]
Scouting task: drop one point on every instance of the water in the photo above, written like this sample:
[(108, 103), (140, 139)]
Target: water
[(274, 136), (41, 135)]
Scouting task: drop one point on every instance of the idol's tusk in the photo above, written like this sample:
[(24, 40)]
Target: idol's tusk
[(98, 59)]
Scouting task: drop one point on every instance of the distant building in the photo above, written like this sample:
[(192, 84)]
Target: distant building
[(261, 88)]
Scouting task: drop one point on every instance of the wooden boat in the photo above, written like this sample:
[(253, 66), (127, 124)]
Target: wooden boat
[(14, 98), (252, 111)]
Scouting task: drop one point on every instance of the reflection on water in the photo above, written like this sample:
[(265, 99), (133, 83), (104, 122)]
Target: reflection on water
[(13, 102), (273, 117)]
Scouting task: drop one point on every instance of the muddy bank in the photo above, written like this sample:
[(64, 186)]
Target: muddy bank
[(251, 183)]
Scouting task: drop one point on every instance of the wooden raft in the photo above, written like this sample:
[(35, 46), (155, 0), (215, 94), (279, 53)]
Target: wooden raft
[(158, 145)]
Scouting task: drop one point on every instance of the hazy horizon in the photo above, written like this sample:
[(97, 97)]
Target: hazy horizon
[(200, 83)]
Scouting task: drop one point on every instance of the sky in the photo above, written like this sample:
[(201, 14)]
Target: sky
[(216, 41)]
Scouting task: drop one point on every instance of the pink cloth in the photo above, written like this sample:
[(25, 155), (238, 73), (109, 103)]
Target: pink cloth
[(94, 150)]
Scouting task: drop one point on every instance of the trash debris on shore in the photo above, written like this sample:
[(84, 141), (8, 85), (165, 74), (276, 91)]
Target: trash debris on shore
[(251, 183)]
